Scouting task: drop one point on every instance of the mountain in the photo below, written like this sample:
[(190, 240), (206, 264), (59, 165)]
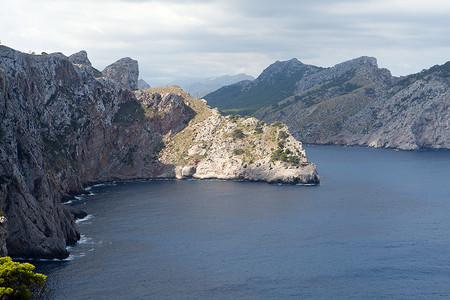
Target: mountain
[(356, 103), (142, 85), (62, 129), (274, 84), (199, 88)]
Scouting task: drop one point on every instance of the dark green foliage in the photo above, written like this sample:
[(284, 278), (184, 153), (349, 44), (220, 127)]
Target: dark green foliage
[(129, 113), (234, 118), (238, 151), (258, 129), (284, 155), (18, 281), (278, 124), (282, 134), (237, 133)]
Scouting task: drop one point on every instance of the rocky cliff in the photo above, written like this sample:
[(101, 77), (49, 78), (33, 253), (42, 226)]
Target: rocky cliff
[(62, 129)]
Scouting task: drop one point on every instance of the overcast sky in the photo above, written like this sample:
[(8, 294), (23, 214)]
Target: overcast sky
[(178, 39)]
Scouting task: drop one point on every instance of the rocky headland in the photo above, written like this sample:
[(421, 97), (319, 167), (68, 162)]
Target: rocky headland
[(65, 125)]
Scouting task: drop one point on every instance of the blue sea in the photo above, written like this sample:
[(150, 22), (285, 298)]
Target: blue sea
[(377, 227)]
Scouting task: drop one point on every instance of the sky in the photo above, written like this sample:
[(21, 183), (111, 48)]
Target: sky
[(177, 40)]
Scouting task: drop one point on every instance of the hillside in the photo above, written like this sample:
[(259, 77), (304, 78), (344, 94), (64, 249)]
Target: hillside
[(274, 84), (63, 129), (357, 103)]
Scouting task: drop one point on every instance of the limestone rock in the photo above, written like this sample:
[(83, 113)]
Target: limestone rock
[(125, 72), (80, 58), (3, 236)]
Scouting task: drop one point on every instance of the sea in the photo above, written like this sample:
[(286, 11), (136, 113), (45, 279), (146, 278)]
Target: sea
[(377, 227)]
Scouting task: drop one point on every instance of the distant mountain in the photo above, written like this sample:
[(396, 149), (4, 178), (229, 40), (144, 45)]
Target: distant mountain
[(274, 84), (142, 85), (201, 87), (352, 103)]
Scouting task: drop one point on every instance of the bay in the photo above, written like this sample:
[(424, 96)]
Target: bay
[(376, 227)]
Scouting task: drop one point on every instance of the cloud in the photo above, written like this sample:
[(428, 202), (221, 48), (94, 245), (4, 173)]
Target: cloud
[(174, 39)]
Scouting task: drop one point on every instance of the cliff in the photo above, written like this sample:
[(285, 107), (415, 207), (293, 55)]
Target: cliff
[(63, 129)]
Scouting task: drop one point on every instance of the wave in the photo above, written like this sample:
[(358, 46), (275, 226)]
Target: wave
[(87, 218)]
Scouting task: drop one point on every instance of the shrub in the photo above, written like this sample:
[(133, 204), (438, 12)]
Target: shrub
[(282, 134), (278, 124), (18, 281), (258, 129), (237, 133)]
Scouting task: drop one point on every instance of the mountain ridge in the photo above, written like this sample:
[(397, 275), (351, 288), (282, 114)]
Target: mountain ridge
[(357, 103)]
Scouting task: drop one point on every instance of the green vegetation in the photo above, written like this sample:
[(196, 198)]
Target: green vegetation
[(278, 124), (285, 155), (237, 133), (18, 281), (282, 134), (129, 113)]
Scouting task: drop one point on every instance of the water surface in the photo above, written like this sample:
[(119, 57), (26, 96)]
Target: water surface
[(378, 226)]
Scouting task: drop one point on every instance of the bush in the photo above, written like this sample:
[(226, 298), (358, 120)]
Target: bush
[(237, 133), (282, 134), (258, 129), (278, 124), (18, 281)]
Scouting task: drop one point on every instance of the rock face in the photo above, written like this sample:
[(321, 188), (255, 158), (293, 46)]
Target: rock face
[(3, 236), (62, 129), (125, 72)]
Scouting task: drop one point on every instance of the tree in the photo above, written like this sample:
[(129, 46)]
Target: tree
[(18, 281)]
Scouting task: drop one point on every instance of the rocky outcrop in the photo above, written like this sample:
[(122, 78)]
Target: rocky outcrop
[(216, 147), (125, 72), (62, 129)]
